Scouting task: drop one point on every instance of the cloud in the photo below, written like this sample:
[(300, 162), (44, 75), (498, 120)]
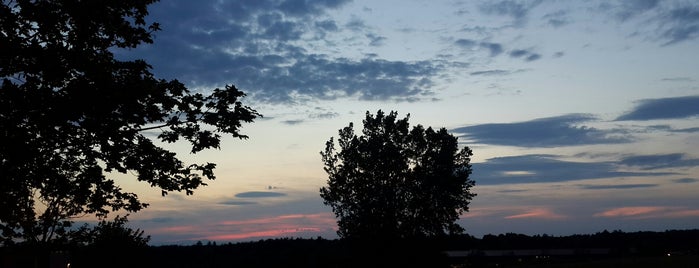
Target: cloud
[(517, 10), (375, 40), (323, 115), (494, 48), (518, 53), (525, 54), (649, 212), (629, 211), (669, 128), (677, 79), (538, 213), (685, 180), (492, 72), (680, 24), (259, 47), (545, 169), (618, 186), (293, 122), (533, 57), (557, 19), (257, 194), (237, 203), (543, 132), (297, 225), (670, 21), (664, 108), (631, 8), (466, 43), (648, 162)]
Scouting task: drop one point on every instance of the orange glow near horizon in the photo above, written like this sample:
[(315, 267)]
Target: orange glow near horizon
[(275, 226), (267, 233)]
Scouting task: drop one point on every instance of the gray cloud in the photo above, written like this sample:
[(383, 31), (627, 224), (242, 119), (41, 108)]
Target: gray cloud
[(681, 24), (517, 10), (665, 108), (545, 168), (494, 48), (678, 79), (618, 186), (253, 44), (518, 53), (257, 194), (237, 203), (669, 128), (648, 162), (492, 72), (557, 19), (293, 122), (526, 54), (533, 57), (323, 115), (466, 43), (631, 8), (543, 132), (685, 180), (672, 21), (375, 40)]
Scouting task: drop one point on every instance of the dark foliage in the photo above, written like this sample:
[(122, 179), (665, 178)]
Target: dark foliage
[(394, 182), (71, 114), (626, 250)]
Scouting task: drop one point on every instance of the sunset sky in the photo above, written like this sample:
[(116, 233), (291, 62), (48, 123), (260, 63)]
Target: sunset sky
[(582, 115)]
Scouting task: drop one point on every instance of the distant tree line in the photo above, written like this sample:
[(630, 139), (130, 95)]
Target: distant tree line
[(319, 252)]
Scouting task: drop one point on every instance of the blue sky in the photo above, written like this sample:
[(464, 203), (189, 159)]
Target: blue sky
[(582, 115)]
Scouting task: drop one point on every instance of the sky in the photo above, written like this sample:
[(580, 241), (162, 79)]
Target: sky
[(583, 116)]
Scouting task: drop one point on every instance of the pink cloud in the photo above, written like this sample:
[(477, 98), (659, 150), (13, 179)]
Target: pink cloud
[(628, 211), (282, 225), (513, 212), (645, 212), (307, 225), (174, 229), (265, 233), (538, 213)]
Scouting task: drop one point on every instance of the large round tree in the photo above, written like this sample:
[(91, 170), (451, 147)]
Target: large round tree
[(396, 182), (71, 114)]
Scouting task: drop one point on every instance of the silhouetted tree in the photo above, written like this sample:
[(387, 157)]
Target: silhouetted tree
[(71, 114), (396, 182), (110, 234)]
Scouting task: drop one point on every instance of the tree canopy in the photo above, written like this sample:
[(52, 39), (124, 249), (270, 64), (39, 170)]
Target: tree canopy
[(71, 114), (396, 182)]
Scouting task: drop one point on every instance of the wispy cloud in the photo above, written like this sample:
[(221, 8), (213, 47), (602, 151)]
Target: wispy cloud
[(257, 194), (648, 162), (543, 132), (538, 213), (619, 186), (517, 10), (545, 168), (671, 21), (685, 180), (649, 212)]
